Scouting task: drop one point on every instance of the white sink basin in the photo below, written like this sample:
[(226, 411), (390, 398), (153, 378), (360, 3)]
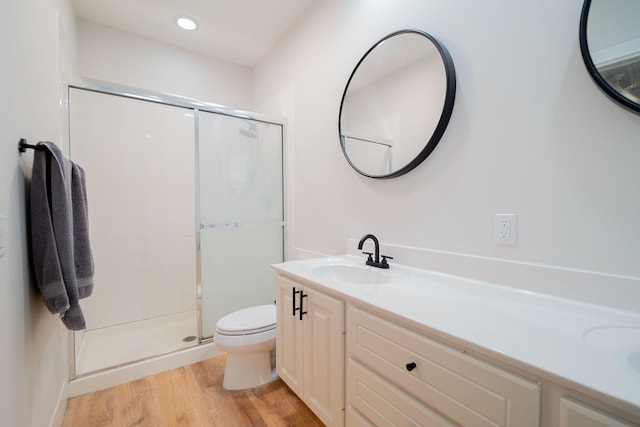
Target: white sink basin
[(355, 274)]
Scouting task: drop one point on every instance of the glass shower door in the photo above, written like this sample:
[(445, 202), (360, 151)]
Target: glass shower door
[(241, 213), (139, 161)]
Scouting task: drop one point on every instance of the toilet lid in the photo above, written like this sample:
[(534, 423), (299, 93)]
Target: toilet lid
[(248, 321)]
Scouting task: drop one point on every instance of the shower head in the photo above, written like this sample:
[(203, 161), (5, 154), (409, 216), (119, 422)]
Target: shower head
[(248, 133), (252, 132)]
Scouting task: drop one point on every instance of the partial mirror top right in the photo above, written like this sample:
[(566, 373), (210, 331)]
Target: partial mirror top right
[(610, 45)]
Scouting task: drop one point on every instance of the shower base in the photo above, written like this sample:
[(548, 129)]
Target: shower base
[(117, 345)]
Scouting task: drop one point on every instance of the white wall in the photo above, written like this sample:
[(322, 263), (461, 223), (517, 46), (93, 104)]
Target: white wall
[(530, 134), (115, 56), (37, 46)]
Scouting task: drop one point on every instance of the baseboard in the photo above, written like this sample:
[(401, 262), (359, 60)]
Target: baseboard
[(131, 372)]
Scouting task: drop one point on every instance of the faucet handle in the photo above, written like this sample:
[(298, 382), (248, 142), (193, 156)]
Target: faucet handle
[(385, 258), (370, 256)]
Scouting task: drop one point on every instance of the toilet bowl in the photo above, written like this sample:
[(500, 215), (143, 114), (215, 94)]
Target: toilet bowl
[(248, 336)]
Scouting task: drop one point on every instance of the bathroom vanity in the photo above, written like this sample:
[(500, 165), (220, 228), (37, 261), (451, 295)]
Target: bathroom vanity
[(363, 346)]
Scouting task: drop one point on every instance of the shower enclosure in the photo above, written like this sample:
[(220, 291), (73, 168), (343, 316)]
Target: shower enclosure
[(186, 216)]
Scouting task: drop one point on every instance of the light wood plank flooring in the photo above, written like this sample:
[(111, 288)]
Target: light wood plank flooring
[(190, 396)]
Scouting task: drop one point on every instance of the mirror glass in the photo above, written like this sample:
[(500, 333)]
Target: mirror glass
[(397, 104), (610, 45)]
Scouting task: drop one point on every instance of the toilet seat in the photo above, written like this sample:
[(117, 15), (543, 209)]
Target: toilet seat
[(252, 320)]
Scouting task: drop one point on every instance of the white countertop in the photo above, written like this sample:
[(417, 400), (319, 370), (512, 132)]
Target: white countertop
[(574, 343)]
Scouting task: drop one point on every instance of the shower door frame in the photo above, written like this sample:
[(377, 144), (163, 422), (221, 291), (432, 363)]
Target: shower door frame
[(197, 106)]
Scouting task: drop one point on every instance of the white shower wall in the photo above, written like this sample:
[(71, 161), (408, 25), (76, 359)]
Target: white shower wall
[(139, 161)]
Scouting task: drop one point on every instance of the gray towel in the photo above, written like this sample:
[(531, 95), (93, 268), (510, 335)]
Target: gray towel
[(62, 258)]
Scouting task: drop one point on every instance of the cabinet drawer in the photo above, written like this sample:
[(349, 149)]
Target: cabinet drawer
[(467, 390), (383, 403)]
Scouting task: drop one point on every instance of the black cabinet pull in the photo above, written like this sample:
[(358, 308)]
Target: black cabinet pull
[(302, 312), (293, 301), (300, 308), (411, 366)]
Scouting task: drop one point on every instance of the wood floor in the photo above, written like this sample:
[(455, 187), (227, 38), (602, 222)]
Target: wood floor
[(189, 396)]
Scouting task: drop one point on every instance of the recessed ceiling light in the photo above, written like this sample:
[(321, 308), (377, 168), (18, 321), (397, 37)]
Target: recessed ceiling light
[(186, 23)]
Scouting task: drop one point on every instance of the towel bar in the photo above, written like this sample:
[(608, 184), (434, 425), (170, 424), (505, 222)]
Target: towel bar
[(22, 146)]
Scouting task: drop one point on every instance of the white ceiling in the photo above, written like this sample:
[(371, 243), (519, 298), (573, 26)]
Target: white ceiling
[(238, 31)]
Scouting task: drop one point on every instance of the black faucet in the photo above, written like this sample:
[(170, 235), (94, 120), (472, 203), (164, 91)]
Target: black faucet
[(374, 262)]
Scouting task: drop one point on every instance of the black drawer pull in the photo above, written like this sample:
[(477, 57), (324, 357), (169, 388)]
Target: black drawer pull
[(411, 366)]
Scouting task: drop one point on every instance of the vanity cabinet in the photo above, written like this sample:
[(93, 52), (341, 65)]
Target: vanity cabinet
[(405, 359), (310, 348), (396, 376)]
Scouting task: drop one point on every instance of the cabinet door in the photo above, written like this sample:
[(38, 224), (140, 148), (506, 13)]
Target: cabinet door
[(310, 351), (574, 414), (289, 337), (324, 356)]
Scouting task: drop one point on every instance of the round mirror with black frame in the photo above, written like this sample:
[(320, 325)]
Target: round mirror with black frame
[(397, 104), (610, 46)]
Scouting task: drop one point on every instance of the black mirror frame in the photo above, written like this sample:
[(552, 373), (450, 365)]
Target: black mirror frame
[(591, 67), (447, 109)]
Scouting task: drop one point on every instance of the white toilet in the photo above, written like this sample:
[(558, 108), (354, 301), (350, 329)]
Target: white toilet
[(249, 338)]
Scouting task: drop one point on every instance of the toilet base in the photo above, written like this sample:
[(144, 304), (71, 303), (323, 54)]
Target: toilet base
[(248, 370)]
